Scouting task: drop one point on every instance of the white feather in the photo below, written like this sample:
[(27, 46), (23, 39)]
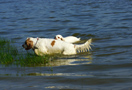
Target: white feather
[(69, 39)]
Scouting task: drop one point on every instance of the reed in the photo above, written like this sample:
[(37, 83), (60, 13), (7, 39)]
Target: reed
[(9, 55)]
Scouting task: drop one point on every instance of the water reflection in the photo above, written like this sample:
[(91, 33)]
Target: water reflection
[(58, 74), (65, 87), (71, 61)]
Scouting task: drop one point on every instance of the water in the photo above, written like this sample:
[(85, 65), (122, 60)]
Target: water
[(107, 67)]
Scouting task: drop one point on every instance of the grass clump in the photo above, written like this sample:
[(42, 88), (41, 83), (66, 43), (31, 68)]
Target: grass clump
[(9, 55), (6, 58), (6, 51), (32, 60)]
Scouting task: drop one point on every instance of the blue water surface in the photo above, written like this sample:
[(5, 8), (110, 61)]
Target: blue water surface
[(108, 22)]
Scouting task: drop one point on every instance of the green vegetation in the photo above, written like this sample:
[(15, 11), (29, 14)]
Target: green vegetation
[(9, 55), (32, 60)]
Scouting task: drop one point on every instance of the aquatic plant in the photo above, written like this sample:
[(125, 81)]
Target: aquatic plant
[(32, 60), (9, 55), (6, 52)]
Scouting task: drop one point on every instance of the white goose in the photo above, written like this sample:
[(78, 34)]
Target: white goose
[(69, 39)]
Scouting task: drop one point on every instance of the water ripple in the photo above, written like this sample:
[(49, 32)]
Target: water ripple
[(107, 22)]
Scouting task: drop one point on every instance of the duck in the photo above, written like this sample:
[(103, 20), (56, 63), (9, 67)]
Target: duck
[(69, 39)]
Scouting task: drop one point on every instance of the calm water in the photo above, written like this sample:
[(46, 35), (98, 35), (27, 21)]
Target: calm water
[(107, 67)]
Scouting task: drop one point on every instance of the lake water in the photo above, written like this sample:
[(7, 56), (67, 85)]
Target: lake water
[(107, 67)]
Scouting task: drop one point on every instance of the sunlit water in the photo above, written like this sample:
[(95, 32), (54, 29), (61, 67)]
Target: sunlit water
[(107, 67)]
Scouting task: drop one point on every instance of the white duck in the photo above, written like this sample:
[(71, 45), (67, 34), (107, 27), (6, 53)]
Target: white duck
[(69, 39)]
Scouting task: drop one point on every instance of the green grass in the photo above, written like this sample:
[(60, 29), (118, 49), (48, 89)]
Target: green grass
[(9, 55), (32, 60)]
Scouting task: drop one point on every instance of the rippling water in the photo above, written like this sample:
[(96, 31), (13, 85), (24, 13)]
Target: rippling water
[(107, 67)]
